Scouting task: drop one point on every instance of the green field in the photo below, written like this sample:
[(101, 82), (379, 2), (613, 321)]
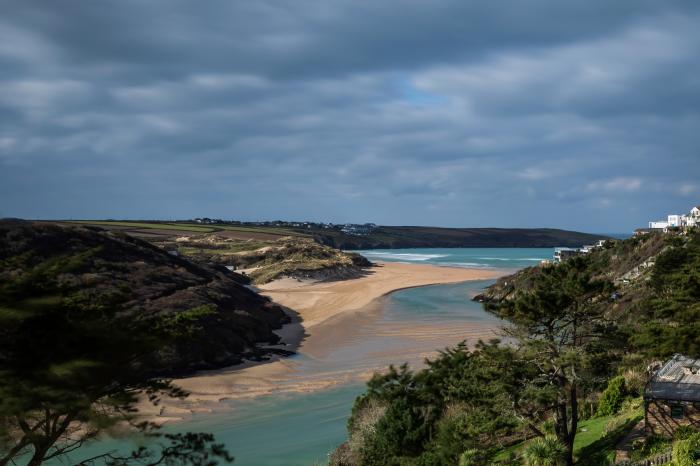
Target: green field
[(232, 249), (144, 225), (175, 226)]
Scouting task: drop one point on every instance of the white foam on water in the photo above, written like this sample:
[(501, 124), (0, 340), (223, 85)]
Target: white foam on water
[(466, 264), (403, 256), (515, 259)]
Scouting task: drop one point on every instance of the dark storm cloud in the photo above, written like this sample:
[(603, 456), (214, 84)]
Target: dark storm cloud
[(572, 114)]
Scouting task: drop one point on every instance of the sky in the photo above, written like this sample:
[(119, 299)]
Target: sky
[(582, 114)]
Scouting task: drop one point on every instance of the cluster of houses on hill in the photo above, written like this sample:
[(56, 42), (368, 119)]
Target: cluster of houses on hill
[(691, 219), (561, 254), (347, 228), (355, 229)]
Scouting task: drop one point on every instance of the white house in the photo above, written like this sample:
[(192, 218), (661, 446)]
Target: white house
[(674, 220), (561, 254), (658, 225)]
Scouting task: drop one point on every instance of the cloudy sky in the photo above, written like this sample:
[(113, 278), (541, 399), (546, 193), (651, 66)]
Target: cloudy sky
[(579, 114)]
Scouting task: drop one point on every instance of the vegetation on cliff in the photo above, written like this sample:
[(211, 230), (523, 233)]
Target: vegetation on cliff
[(265, 261), (576, 331), (90, 318)]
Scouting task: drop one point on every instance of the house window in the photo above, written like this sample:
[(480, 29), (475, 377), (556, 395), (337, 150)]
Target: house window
[(677, 411)]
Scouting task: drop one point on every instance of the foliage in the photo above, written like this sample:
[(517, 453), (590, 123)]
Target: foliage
[(440, 412), (191, 449), (184, 324), (472, 457), (72, 361), (684, 432), (687, 452), (544, 451), (562, 332), (668, 320), (611, 401), (650, 446), (571, 330)]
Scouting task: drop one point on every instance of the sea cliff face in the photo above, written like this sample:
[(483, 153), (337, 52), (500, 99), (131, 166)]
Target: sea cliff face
[(210, 317)]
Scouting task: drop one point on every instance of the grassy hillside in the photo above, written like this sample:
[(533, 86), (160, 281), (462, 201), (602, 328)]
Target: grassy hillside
[(265, 261), (164, 230), (434, 237), (204, 316)]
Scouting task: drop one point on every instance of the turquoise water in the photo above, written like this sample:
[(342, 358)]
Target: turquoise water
[(291, 429), (302, 429), (505, 258)]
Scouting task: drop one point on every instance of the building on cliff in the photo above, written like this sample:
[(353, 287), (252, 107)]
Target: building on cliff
[(672, 396), (691, 219)]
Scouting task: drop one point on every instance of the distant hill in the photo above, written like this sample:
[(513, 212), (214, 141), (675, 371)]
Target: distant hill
[(205, 317), (385, 237)]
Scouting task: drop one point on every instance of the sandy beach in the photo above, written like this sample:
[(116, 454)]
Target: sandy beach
[(333, 316), (317, 303)]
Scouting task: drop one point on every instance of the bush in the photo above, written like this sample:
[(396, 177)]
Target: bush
[(362, 427), (401, 431), (544, 451), (635, 380), (454, 433), (650, 446), (613, 396), (684, 432), (472, 457), (687, 452)]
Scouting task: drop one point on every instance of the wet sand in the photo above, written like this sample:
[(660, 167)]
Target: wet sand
[(341, 335), (321, 301)]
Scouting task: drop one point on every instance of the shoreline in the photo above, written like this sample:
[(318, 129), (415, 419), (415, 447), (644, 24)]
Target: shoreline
[(316, 302), (326, 316)]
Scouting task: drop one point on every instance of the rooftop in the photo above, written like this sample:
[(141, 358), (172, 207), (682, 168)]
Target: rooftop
[(678, 379)]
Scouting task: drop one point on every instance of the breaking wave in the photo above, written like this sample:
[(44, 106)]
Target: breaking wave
[(403, 256)]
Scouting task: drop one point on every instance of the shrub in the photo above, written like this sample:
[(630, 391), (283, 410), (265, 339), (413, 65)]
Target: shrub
[(684, 432), (611, 401), (454, 432), (544, 451), (614, 424), (650, 446), (363, 427), (184, 324), (635, 379), (401, 431), (472, 457), (687, 452)]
